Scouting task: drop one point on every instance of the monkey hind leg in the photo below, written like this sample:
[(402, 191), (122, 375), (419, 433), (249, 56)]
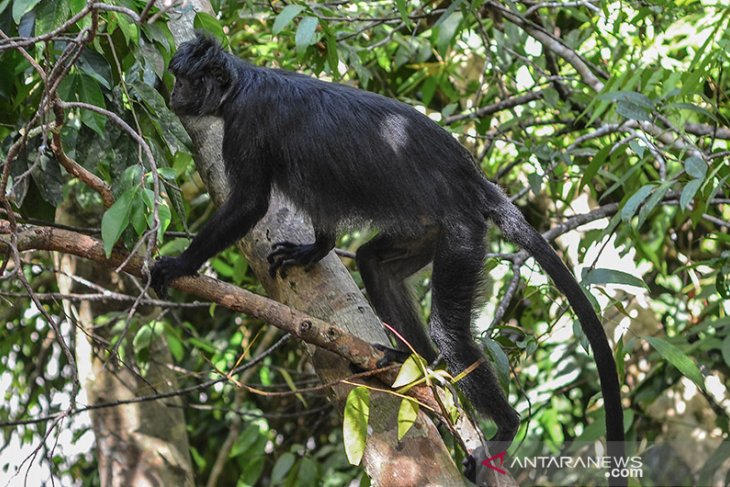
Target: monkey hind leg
[(384, 263), (457, 273)]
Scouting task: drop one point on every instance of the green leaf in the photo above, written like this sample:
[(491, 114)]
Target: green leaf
[(632, 97), (93, 64), (678, 359), (116, 219), (535, 181), (51, 14), (131, 177), (633, 111), (286, 15), (202, 345), (594, 165), (611, 276), (22, 7), (726, 350), (499, 359), (306, 30), (689, 192), (129, 29), (167, 173), (163, 212), (145, 335), (165, 215), (407, 414), (411, 370), (401, 6), (282, 467), (137, 215), (205, 21), (722, 282), (580, 336), (333, 57), (638, 149), (447, 30), (629, 209), (694, 108), (245, 441), (355, 423), (198, 458), (695, 167), (654, 199), (88, 91), (449, 11), (620, 357), (177, 349), (308, 472)]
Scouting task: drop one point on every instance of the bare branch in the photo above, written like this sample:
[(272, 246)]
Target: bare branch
[(702, 130), (497, 107), (74, 168), (152, 397), (576, 3), (305, 327), (107, 296), (554, 44)]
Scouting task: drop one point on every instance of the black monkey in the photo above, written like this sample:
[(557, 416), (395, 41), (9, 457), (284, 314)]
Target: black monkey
[(347, 156)]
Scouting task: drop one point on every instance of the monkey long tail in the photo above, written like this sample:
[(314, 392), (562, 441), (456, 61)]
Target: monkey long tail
[(515, 228)]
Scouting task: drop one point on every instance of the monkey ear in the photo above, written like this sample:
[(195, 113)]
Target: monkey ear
[(220, 74)]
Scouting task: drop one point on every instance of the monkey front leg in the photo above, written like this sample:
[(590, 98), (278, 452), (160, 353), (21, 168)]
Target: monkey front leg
[(230, 222), (288, 254)]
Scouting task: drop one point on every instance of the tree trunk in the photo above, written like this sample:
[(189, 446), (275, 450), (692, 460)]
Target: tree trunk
[(140, 444)]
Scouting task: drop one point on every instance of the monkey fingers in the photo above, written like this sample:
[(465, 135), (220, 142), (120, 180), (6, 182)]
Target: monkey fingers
[(166, 270), (288, 254), (390, 355)]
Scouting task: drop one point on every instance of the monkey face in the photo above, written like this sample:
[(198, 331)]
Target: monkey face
[(202, 95), (203, 77), (186, 98)]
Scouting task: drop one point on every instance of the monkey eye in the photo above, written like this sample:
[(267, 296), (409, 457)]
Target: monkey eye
[(184, 82)]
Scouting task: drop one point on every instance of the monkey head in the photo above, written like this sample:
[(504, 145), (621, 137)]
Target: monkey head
[(204, 77)]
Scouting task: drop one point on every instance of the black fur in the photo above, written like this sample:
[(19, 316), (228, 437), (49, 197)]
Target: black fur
[(348, 157)]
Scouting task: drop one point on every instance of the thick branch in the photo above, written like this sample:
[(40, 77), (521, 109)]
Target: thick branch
[(305, 327), (702, 129)]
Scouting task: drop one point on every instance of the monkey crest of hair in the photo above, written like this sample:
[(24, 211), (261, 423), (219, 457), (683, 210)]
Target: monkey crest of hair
[(347, 157), (195, 58)]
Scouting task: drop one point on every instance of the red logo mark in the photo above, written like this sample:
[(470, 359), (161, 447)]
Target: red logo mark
[(499, 456)]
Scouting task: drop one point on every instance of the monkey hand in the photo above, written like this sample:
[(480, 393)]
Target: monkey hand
[(166, 270)]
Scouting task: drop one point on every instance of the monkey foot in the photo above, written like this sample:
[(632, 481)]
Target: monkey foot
[(390, 355), (285, 255), (473, 464)]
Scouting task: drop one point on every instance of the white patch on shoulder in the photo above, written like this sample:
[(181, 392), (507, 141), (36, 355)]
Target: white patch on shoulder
[(394, 133)]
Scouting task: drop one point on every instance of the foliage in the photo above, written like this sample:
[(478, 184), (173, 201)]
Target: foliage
[(617, 110)]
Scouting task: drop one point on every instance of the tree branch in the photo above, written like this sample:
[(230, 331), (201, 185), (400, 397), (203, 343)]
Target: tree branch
[(302, 325), (506, 104)]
